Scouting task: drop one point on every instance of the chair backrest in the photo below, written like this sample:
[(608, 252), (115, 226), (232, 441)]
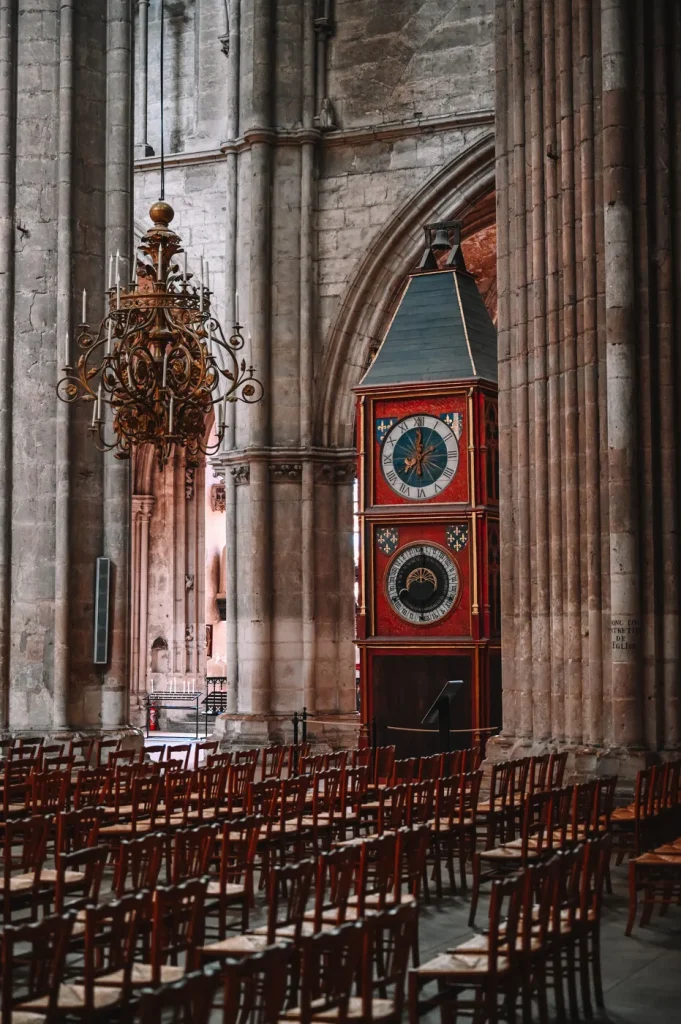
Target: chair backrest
[(384, 759), (177, 925), (330, 961), (392, 807), (77, 830), (247, 757), (412, 850), (539, 766), (420, 802), (238, 850), (53, 750), (569, 881), (272, 762), (326, 793), (504, 914), (25, 846), (388, 939), (222, 760), (187, 1001), (595, 868), (138, 864), (556, 769), (362, 758), (256, 987), (583, 810), (518, 781), (33, 958), (110, 941), (49, 791), (404, 771), (16, 785), (179, 752), (451, 763), (117, 757), (145, 797), (79, 878), (537, 825), (192, 852), (93, 787), (292, 796), (239, 776), (337, 759), (355, 782), (294, 754), (336, 872), (210, 784), (430, 767), (206, 748), (102, 750), (176, 788), (288, 892), (155, 753), (310, 764), (605, 802), (262, 798), (81, 750)]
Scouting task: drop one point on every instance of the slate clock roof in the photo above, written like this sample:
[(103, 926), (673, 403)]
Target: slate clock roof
[(440, 332)]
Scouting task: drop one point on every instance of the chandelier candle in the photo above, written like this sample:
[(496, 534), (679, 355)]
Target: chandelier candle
[(84, 320), (159, 358)]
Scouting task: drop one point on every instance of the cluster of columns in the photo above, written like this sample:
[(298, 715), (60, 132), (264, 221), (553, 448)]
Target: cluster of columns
[(588, 127)]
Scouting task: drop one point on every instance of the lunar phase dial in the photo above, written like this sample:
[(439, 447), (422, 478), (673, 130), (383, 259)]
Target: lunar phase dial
[(422, 583)]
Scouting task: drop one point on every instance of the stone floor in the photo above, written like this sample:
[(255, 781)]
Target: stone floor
[(641, 974)]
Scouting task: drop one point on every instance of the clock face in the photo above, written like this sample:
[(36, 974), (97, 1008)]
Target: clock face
[(420, 457), (422, 583)]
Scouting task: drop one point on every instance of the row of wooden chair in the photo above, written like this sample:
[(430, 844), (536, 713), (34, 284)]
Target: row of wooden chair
[(654, 815), (656, 874), (544, 920)]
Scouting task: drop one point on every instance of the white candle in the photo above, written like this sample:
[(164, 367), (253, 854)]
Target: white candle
[(118, 256), (202, 282), (207, 278), (110, 270), (165, 367), (118, 294), (210, 335), (67, 351), (184, 272), (108, 337), (159, 268), (220, 416), (170, 414), (236, 307), (99, 403), (84, 307), (94, 413)]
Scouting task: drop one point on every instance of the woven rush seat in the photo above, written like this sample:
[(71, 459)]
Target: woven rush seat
[(673, 859), (444, 826), (379, 1008), (142, 974), (480, 944), (24, 1017), (230, 889), (71, 997), (462, 962), (122, 828), (19, 883), (623, 813), (507, 852), (235, 945)]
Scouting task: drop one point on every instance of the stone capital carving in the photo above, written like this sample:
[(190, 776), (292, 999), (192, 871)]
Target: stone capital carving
[(286, 472), (217, 497), (143, 506), (189, 478), (224, 43), (241, 474), (335, 472), (188, 581)]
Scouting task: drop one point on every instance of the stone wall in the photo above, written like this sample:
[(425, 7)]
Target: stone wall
[(287, 178)]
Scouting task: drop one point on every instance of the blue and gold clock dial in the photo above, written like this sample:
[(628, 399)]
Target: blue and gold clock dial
[(423, 583), (420, 457)]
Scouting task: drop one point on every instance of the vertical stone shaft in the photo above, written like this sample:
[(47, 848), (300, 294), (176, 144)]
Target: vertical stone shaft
[(592, 696), (573, 647), (555, 495), (60, 693), (142, 78), (541, 608), (520, 384), (621, 369), (259, 554), (307, 206), (7, 189), (231, 623), (119, 236), (673, 698), (510, 703), (661, 259)]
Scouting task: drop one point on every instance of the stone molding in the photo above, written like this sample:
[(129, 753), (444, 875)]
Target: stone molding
[(335, 472), (391, 130), (285, 465), (241, 474)]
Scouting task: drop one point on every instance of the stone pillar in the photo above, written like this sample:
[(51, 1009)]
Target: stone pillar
[(142, 147), (142, 510), (589, 397)]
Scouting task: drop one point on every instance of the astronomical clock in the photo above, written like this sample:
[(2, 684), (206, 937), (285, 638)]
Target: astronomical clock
[(427, 439)]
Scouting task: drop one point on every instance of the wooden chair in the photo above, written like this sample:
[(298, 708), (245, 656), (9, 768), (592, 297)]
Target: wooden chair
[(24, 850), (137, 866), (594, 875), (179, 752), (336, 871), (206, 796), (491, 812), (221, 760), (143, 810), (262, 799), (288, 831), (556, 770), (118, 757), (330, 962), (79, 879), (379, 871), (16, 786), (384, 759), (404, 771), (353, 791), (155, 753), (103, 748), (33, 957), (420, 802), (93, 787), (192, 852), (177, 787), (538, 773), (543, 830), (176, 930), (491, 973), (272, 762), (239, 777), (208, 747), (49, 792), (249, 757), (337, 760), (283, 911), (563, 934), (256, 988), (76, 830), (388, 938), (392, 808), (187, 1001), (631, 825), (323, 822), (657, 874), (430, 767), (234, 885), (412, 850), (294, 754), (81, 751)]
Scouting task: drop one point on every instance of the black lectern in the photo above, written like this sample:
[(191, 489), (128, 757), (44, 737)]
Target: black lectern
[(439, 711)]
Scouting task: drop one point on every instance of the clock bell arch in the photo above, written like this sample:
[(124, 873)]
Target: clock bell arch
[(428, 509)]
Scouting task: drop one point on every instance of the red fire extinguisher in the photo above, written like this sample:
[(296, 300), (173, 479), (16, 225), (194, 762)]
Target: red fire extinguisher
[(153, 718)]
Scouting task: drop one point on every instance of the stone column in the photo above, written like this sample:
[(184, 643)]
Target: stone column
[(587, 379), (142, 147), (145, 508)]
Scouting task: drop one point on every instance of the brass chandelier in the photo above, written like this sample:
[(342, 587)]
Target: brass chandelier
[(159, 358)]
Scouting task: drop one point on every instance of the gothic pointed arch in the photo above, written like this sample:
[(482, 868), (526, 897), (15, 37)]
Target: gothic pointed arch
[(373, 291)]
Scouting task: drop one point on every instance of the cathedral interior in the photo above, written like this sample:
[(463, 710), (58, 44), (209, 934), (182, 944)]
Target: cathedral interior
[(355, 324)]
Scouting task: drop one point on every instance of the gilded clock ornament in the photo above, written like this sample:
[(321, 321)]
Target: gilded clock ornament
[(423, 583), (420, 456)]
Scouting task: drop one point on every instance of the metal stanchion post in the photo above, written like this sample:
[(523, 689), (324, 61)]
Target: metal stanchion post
[(304, 725)]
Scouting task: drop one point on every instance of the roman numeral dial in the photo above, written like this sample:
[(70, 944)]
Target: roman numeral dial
[(420, 457)]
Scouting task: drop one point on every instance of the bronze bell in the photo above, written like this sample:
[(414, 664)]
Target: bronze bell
[(441, 240)]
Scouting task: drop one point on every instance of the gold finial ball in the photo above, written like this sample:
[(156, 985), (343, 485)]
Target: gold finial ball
[(161, 214)]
